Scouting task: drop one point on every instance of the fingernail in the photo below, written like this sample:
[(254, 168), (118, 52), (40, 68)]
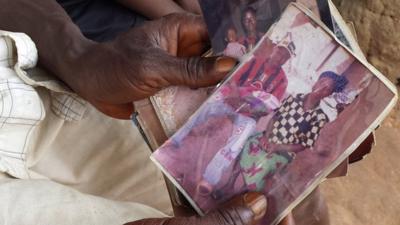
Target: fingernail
[(257, 203), (225, 64)]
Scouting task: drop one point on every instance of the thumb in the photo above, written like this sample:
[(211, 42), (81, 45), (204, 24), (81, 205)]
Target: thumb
[(288, 220), (198, 72), (247, 209)]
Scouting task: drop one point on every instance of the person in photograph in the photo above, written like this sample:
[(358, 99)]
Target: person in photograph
[(309, 58), (267, 73), (246, 110), (266, 78), (233, 49), (252, 100), (268, 11), (252, 35), (294, 128), (244, 106)]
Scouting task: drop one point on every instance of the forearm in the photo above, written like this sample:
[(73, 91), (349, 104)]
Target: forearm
[(57, 39), (152, 9)]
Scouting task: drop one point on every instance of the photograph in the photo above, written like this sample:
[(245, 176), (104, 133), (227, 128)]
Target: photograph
[(236, 26), (286, 117), (174, 105)]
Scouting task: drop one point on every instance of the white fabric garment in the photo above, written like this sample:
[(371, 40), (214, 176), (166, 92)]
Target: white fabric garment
[(61, 161)]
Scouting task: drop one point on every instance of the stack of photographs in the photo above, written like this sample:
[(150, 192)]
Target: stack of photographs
[(226, 20), (298, 104), (229, 21)]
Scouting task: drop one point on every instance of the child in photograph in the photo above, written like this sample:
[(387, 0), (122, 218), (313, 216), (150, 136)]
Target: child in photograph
[(233, 49), (244, 106)]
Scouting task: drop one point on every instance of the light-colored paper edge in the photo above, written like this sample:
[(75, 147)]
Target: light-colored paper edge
[(362, 60), (345, 153), (157, 109), (356, 49), (361, 138), (181, 189), (350, 34), (337, 162), (153, 145)]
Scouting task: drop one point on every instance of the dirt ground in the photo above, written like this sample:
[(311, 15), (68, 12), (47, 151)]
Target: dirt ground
[(370, 194)]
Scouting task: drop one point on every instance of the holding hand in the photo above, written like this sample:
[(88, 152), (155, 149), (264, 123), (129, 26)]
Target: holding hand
[(143, 61), (112, 75), (247, 209)]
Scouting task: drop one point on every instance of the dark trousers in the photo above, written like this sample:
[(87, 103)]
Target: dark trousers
[(101, 20)]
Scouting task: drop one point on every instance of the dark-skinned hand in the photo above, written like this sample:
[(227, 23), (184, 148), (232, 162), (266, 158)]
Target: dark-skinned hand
[(190, 5), (144, 60), (247, 209), (135, 65)]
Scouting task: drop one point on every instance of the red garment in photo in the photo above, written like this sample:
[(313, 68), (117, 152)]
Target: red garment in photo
[(258, 73)]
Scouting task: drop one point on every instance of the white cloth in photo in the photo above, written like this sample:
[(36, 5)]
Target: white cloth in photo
[(301, 68), (63, 162), (235, 50), (347, 96), (244, 128), (328, 106)]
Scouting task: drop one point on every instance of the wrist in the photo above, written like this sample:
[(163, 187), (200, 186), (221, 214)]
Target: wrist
[(59, 42), (63, 51)]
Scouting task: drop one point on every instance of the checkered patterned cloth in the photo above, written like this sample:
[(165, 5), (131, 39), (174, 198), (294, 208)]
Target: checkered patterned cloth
[(294, 125)]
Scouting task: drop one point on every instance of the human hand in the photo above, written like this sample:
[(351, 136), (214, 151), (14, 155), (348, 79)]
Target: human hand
[(143, 61), (247, 209), (190, 5), (112, 75)]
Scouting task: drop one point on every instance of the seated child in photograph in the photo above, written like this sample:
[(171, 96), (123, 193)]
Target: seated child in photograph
[(247, 103), (233, 49), (244, 106)]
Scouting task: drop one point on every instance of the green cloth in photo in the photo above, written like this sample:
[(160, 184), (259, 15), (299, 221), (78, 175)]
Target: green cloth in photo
[(257, 163)]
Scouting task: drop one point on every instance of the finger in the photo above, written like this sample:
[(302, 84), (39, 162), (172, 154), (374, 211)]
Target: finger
[(190, 5), (182, 35), (288, 220), (246, 210), (254, 201), (198, 71), (179, 34), (193, 38), (117, 111)]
